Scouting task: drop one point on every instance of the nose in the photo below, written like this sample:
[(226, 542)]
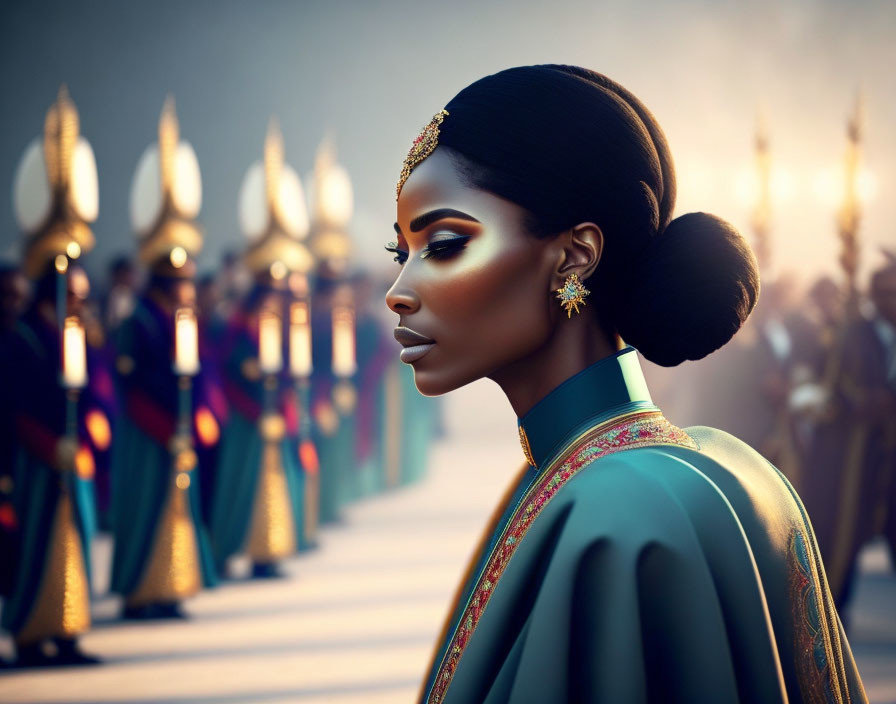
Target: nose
[(401, 299)]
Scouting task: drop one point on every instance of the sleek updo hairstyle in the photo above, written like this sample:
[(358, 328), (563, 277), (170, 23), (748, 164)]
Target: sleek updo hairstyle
[(570, 146)]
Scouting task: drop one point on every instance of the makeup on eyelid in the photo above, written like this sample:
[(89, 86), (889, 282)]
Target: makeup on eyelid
[(442, 248)]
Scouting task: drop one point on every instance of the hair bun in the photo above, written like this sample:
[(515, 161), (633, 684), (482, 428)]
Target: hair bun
[(694, 290)]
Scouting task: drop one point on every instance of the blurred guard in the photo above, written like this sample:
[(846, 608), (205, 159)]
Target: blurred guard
[(55, 197), (13, 296), (333, 395), (850, 474), (162, 553), (258, 505)]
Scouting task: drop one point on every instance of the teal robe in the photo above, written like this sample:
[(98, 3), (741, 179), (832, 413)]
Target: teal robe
[(36, 406), (36, 497), (141, 463), (638, 563), (242, 445)]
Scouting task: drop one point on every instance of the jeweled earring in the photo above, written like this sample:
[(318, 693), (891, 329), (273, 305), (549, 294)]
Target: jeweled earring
[(572, 294)]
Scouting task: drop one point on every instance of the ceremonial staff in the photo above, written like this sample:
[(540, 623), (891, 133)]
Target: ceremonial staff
[(300, 367), (839, 389), (762, 211), (186, 366), (74, 378), (848, 219)]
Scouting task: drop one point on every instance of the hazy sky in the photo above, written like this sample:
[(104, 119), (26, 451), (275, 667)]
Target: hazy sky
[(373, 73)]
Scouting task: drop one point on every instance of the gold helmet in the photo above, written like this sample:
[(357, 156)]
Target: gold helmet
[(166, 196), (55, 192), (272, 213), (332, 206)]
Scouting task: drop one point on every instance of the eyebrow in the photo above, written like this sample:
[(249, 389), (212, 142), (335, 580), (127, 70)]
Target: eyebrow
[(432, 216)]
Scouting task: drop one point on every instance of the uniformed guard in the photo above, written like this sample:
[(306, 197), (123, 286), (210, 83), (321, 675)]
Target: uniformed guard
[(162, 554), (46, 374), (259, 503), (333, 394)]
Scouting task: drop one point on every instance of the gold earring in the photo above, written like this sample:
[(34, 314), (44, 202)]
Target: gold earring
[(572, 294)]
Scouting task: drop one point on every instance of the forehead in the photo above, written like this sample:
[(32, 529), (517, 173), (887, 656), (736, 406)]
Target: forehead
[(435, 179), (438, 183)]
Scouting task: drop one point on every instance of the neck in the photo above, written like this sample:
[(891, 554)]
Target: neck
[(576, 344)]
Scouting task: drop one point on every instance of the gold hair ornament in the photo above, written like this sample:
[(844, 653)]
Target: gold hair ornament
[(423, 146), (572, 294)]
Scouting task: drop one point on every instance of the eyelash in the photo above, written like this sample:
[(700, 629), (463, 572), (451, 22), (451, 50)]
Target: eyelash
[(440, 249)]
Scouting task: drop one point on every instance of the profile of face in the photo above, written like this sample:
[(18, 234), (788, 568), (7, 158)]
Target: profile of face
[(474, 293)]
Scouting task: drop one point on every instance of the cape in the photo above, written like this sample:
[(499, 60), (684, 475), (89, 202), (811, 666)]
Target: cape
[(642, 563)]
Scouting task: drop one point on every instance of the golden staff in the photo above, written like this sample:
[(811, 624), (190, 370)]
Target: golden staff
[(850, 211), (848, 219), (762, 212)]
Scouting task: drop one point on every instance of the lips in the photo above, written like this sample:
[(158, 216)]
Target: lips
[(416, 346)]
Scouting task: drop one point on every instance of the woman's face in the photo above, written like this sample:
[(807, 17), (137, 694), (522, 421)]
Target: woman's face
[(473, 294)]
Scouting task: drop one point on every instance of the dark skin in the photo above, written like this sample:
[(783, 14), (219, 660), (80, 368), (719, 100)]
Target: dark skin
[(481, 287)]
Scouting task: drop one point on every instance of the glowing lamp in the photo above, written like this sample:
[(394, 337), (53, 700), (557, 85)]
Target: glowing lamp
[(74, 355), (186, 343), (270, 343), (300, 339)]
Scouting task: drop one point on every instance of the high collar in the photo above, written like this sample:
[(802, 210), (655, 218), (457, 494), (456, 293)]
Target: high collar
[(610, 387)]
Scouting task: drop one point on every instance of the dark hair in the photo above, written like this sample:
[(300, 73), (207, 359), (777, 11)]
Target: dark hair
[(569, 146)]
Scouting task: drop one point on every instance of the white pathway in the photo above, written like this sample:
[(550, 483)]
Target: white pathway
[(355, 621)]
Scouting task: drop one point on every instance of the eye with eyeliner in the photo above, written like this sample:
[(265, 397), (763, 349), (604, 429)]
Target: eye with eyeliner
[(445, 247), (400, 255)]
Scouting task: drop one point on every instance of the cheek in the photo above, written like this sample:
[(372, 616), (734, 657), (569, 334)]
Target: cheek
[(494, 305)]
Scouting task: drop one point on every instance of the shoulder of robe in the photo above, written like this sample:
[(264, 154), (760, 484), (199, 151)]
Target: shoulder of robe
[(641, 494)]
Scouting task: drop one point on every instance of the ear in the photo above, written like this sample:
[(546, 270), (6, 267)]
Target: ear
[(579, 251)]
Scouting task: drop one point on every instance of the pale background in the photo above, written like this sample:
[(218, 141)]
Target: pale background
[(373, 73)]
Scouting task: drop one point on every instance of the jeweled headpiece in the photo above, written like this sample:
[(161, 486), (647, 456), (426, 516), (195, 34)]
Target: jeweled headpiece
[(423, 146)]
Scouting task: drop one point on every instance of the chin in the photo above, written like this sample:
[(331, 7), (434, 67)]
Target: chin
[(430, 382)]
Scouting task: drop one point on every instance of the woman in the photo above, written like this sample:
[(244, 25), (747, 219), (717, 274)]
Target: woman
[(631, 561)]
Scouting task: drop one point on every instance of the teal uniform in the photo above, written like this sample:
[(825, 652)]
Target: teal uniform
[(636, 562), (143, 491), (239, 489), (55, 508)]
